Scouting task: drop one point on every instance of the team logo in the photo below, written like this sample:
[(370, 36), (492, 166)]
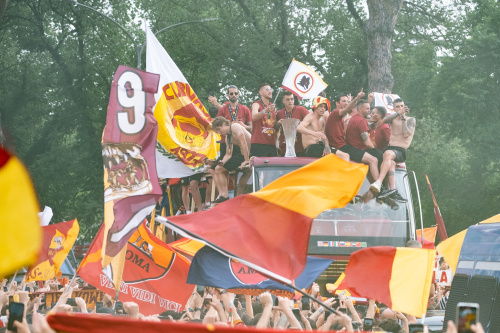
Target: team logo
[(125, 171), (388, 101), (303, 82), (245, 274), (147, 268), (56, 245)]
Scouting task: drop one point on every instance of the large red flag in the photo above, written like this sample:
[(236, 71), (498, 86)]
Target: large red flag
[(154, 275), (269, 230), (131, 187), (58, 239)]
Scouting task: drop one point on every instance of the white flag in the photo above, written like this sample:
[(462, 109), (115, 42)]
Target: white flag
[(184, 138), (385, 100), (303, 81)]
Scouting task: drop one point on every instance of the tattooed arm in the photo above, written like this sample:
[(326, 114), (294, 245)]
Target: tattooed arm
[(366, 139), (408, 126)]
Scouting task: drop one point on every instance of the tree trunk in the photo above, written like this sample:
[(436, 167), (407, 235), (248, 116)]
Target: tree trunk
[(379, 29), (3, 6)]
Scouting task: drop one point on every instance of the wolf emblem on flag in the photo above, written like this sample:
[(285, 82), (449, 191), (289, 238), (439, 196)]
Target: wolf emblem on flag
[(125, 171)]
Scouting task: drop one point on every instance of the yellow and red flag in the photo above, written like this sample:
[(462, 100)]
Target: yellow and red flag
[(399, 277), (429, 237), (154, 275), (337, 287), (185, 137), (58, 239), (21, 232), (187, 246), (269, 230)]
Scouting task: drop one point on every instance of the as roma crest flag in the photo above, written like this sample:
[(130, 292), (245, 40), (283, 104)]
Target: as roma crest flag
[(154, 276), (185, 137), (385, 100), (210, 268), (131, 187), (399, 277), (21, 232), (269, 230), (58, 239), (303, 81)]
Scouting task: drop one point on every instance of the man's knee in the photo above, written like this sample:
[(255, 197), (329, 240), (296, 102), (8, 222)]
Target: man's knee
[(389, 155), (219, 169), (342, 155)]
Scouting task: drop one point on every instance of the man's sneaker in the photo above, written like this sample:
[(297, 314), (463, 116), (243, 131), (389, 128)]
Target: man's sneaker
[(385, 193), (397, 197), (220, 199), (375, 187)]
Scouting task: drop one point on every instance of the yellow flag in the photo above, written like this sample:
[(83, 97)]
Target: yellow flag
[(21, 232)]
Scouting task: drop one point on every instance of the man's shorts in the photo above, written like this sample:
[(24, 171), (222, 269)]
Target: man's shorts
[(355, 154), (236, 159), (377, 154), (400, 153), (315, 150), (261, 150), (186, 180), (222, 153)]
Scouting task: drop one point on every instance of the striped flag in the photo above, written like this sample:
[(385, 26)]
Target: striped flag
[(401, 278), (269, 230), (185, 137)]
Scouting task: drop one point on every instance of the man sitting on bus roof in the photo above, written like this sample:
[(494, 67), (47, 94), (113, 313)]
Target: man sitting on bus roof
[(312, 129), (237, 156), (402, 130)]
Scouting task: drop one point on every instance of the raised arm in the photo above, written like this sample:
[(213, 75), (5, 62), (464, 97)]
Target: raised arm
[(256, 115), (351, 104)]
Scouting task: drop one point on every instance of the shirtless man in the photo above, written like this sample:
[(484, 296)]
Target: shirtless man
[(402, 130), (312, 128), (237, 156)]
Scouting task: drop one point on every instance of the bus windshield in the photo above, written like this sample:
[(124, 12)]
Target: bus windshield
[(359, 224)]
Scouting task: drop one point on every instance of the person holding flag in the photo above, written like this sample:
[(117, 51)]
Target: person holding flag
[(263, 120)]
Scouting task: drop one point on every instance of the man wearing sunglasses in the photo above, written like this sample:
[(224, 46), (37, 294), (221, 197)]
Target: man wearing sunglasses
[(235, 113), (263, 120)]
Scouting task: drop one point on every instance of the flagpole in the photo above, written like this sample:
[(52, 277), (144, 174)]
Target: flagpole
[(71, 282), (116, 299), (277, 94), (311, 298), (11, 282)]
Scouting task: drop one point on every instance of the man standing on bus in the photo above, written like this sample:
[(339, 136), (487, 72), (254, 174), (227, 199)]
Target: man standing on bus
[(263, 119), (402, 130)]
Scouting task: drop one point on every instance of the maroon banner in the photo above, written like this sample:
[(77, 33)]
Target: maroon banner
[(131, 186), (441, 228)]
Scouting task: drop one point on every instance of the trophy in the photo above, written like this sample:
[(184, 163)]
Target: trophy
[(289, 127)]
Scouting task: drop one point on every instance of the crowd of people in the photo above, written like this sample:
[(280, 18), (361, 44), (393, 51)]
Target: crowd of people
[(217, 307), (354, 130)]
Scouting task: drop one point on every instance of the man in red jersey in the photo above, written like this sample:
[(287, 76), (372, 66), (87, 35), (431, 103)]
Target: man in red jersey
[(290, 111), (334, 128), (379, 131), (359, 146), (263, 120)]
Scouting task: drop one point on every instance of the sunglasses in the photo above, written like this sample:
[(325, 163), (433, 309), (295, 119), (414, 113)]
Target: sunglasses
[(233, 93), (270, 89)]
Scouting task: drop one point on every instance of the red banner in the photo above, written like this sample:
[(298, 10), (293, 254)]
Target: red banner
[(155, 279)]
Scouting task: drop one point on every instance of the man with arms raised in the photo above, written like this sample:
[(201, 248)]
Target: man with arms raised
[(237, 156), (290, 111), (263, 119), (402, 130), (334, 128)]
